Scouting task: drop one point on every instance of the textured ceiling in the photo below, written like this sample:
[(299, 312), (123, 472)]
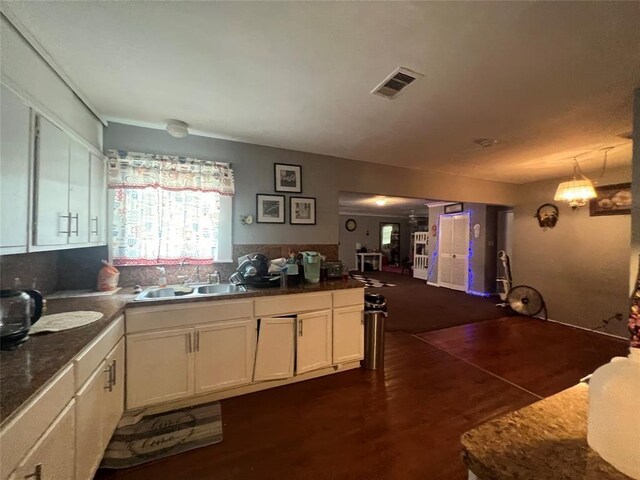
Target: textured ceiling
[(548, 80), (362, 204)]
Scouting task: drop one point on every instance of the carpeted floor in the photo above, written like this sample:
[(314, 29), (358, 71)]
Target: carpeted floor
[(415, 307)]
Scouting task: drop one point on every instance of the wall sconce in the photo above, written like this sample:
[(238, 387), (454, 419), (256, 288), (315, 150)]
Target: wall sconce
[(578, 191), (246, 219)]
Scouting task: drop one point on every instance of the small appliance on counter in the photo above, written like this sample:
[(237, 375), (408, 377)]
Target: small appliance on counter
[(311, 264), (19, 309), (334, 269), (253, 270)]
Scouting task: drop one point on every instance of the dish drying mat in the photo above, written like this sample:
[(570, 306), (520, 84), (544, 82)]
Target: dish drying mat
[(64, 321), (81, 293)]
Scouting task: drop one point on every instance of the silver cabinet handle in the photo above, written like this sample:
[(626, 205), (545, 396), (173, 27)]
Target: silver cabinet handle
[(109, 372), (300, 328), (96, 232), (37, 473), (197, 341), (113, 368), (74, 217), (68, 231)]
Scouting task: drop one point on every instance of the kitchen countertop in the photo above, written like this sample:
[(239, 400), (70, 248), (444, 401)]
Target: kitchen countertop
[(547, 439), (29, 367)]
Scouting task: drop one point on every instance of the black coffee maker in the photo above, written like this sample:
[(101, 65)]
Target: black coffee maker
[(19, 309), (253, 270)]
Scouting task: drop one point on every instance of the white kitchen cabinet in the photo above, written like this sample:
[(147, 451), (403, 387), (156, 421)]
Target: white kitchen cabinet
[(79, 193), (313, 341), (53, 455), (99, 407), (15, 118), (159, 366), (70, 191), (348, 334), (275, 352), (224, 354), (98, 200), (90, 406), (52, 221), (114, 405)]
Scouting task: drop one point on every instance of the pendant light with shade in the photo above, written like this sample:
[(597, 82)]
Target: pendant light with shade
[(579, 190)]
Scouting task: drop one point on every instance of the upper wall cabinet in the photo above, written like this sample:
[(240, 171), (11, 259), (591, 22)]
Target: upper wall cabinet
[(70, 199), (14, 172)]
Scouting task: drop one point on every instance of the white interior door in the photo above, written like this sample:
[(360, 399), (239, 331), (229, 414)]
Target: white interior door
[(275, 350), (453, 252)]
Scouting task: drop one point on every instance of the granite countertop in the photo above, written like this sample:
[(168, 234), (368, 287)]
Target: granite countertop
[(29, 367), (547, 439), (253, 292)]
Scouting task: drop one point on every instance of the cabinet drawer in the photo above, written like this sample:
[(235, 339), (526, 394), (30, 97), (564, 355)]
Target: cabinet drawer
[(345, 298), (295, 303), (21, 433), (91, 356), (167, 316)]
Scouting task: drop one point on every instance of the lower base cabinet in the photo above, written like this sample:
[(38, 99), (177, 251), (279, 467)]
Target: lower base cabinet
[(53, 456), (348, 334), (168, 365), (99, 407), (313, 341)]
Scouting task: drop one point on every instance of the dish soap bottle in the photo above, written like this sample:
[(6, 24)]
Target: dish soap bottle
[(614, 389), (162, 279)]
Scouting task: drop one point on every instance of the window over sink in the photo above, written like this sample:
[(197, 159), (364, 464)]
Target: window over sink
[(169, 209)]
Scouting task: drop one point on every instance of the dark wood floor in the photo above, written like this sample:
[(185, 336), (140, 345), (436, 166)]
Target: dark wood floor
[(402, 423)]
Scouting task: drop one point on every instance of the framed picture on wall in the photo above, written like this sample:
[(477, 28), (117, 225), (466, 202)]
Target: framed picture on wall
[(611, 200), (454, 208), (269, 208), (302, 211), (288, 178)]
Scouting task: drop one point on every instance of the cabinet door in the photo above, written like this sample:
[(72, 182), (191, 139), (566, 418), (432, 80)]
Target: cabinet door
[(14, 170), (98, 202), (53, 456), (224, 354), (79, 192), (159, 367), (348, 334), (114, 398), (313, 341), (274, 354), (90, 422), (52, 221)]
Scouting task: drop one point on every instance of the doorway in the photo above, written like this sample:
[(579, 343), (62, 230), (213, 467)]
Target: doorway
[(390, 242), (453, 246)]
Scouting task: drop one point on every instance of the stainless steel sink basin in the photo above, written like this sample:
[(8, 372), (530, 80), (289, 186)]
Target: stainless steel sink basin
[(220, 288), (188, 291)]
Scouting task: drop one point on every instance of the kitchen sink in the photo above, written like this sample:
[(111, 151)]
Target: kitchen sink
[(188, 291), (220, 288)]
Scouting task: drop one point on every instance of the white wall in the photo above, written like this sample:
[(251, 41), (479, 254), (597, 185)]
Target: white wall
[(581, 266), (30, 77), (367, 233)]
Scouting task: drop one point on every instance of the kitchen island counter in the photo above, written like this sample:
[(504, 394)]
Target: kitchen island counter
[(547, 439)]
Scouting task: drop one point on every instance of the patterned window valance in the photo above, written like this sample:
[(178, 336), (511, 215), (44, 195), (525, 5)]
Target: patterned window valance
[(143, 170)]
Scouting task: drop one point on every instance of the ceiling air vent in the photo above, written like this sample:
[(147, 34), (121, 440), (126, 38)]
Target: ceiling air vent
[(396, 82)]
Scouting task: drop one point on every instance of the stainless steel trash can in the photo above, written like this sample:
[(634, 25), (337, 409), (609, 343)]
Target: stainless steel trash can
[(375, 313)]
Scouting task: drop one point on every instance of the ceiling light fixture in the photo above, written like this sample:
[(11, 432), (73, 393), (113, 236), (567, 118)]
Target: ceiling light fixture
[(381, 202), (177, 128), (578, 191)]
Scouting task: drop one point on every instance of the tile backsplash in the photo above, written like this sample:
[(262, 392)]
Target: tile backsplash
[(78, 268)]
